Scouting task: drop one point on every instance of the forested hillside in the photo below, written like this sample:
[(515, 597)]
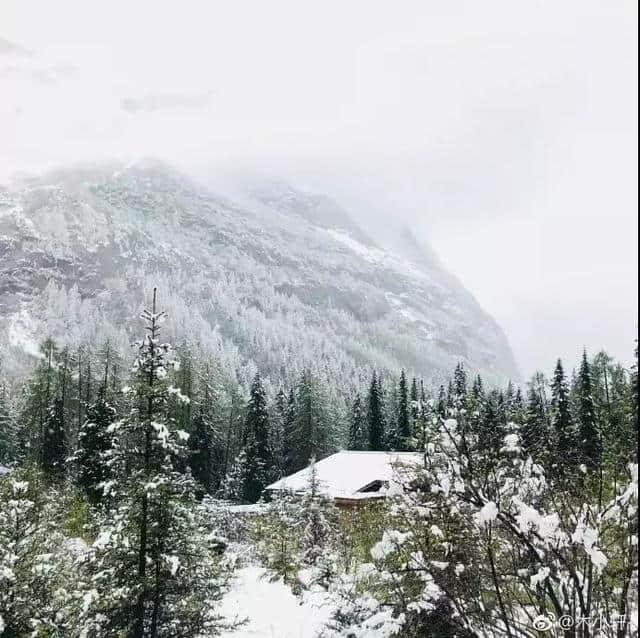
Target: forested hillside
[(281, 282)]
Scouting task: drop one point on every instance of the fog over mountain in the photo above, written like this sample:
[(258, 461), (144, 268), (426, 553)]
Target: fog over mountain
[(503, 135), (279, 279)]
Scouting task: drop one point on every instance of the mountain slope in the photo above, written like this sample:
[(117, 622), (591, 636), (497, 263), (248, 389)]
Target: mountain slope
[(282, 281)]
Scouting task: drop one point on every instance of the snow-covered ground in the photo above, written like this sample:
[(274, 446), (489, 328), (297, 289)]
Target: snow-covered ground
[(273, 611)]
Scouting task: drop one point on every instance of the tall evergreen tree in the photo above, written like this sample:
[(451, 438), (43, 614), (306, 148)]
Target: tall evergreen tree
[(560, 414), (357, 426), (206, 443), (493, 424), (414, 403), (451, 397), (153, 572), (375, 416), (202, 451), (459, 383), (233, 487), (318, 514), (403, 427), (8, 427), (517, 407), (277, 433), (313, 426), (94, 444), (534, 429), (54, 446), (477, 389), (427, 412), (589, 443), (39, 393), (259, 462), (289, 435), (441, 406)]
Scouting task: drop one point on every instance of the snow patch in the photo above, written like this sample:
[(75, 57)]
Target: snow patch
[(271, 608)]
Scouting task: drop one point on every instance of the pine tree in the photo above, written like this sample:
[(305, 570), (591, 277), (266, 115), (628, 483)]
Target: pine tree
[(414, 406), (492, 424), (201, 455), (518, 403), (513, 404), (232, 439), (357, 426), (316, 539), (560, 414), (37, 400), (477, 389), (206, 458), (8, 428), (54, 448), (280, 538), (312, 427), (534, 429), (441, 406), (153, 571), (590, 444), (427, 415), (259, 462), (289, 435), (451, 398), (278, 419), (403, 428), (480, 415), (375, 416), (94, 444), (233, 488), (459, 383)]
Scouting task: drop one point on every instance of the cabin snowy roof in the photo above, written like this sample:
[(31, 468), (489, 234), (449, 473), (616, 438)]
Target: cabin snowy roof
[(351, 475)]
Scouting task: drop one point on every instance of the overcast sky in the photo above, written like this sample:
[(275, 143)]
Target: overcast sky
[(505, 132)]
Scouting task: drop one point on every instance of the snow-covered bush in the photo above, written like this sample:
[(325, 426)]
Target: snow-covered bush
[(298, 537), (277, 534), (491, 550), (41, 576)]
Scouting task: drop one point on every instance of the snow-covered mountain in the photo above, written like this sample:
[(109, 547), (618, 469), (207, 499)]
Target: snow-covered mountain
[(282, 280)]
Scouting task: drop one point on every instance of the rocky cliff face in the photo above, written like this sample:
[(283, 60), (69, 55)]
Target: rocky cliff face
[(285, 279)]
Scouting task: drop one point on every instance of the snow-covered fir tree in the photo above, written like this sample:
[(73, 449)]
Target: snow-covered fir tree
[(54, 444), (259, 463), (153, 571), (313, 427), (375, 415), (403, 421), (8, 426), (358, 439), (561, 420), (590, 444), (95, 442)]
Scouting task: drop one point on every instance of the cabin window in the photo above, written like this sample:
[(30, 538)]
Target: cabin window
[(374, 486)]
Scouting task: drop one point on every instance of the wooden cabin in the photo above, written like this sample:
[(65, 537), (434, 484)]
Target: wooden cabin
[(352, 478)]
